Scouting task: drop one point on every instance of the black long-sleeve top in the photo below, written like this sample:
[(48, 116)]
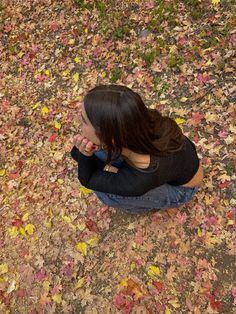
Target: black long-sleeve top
[(175, 169)]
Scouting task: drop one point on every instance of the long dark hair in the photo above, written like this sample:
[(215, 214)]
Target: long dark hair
[(121, 119)]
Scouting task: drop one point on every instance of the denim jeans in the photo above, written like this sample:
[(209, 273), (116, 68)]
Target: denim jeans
[(164, 196)]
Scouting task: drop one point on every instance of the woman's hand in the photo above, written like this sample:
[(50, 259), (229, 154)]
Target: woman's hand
[(85, 146)]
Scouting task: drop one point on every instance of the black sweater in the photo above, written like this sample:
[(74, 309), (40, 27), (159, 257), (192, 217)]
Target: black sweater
[(175, 169)]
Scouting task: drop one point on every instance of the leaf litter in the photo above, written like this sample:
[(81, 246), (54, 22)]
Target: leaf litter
[(62, 251)]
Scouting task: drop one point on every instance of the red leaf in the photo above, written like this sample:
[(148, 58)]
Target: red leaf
[(211, 220), (197, 117), (139, 237), (159, 285), (33, 51), (54, 26), (25, 60), (119, 300), (17, 223), (56, 289), (40, 77), (224, 185), (181, 218), (52, 137), (216, 305), (182, 79), (223, 133), (182, 40), (7, 28), (24, 252), (203, 78), (97, 52), (13, 175), (40, 275), (91, 225), (128, 307), (230, 214), (21, 293)]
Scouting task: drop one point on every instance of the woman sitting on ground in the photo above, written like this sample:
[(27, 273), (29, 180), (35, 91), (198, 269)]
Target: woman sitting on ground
[(131, 156)]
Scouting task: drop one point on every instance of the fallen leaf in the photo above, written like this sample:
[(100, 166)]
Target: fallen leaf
[(82, 247), (3, 268), (153, 271), (30, 229)]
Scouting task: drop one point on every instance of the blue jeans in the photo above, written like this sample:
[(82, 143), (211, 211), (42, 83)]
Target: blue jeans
[(164, 196)]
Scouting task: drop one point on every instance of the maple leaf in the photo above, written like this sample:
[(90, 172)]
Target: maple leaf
[(215, 2), (2, 172), (153, 271), (41, 275), (82, 247), (44, 299), (203, 78), (3, 268), (52, 137), (30, 229)]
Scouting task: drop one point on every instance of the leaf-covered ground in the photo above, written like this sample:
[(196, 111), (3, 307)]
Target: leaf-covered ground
[(62, 251)]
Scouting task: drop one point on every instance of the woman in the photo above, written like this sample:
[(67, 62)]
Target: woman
[(131, 156)]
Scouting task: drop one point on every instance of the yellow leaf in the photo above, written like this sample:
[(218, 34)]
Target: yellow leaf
[(30, 229), (174, 303), (215, 2), (132, 266), (94, 41), (77, 60), (71, 41), (179, 120), (210, 240), (48, 224), (173, 49), (20, 54), (57, 124), (82, 247), (167, 311), (131, 226), (153, 271), (3, 268), (104, 74), (22, 231), (65, 72), (73, 226), (47, 72), (25, 217), (66, 219), (2, 172), (13, 232), (85, 190), (44, 110), (93, 241), (46, 285), (80, 283), (230, 222), (81, 226), (76, 77), (183, 99), (124, 282), (86, 30), (57, 298), (35, 106), (199, 232), (60, 181), (208, 62)]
